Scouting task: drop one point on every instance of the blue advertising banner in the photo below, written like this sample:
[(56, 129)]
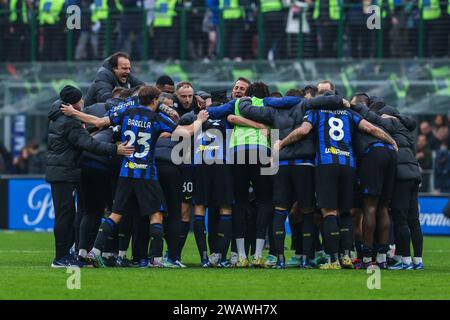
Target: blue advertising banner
[(30, 205), (432, 219)]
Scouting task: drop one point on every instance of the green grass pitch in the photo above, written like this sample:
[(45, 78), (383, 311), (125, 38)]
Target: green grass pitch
[(25, 273)]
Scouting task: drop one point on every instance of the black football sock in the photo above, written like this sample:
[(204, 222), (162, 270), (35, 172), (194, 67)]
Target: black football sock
[(331, 234), (296, 237), (317, 241), (200, 236), (346, 233), (271, 239), (125, 230), (233, 245), (358, 247), (105, 234), (367, 253), (172, 230), (185, 226), (224, 235), (213, 224), (308, 235), (156, 235), (279, 232)]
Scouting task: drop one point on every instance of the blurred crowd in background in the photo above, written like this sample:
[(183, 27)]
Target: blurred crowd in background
[(30, 161), (232, 29), (433, 154)]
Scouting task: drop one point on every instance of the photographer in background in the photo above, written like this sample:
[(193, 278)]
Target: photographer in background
[(442, 169)]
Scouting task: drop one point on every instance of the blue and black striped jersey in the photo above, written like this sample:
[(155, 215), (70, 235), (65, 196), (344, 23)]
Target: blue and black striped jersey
[(129, 102), (211, 144), (333, 133), (141, 127)]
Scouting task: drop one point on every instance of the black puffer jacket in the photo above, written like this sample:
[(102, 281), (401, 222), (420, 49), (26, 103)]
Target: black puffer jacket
[(96, 161), (104, 83), (363, 140), (287, 120), (163, 149), (401, 131), (66, 140)]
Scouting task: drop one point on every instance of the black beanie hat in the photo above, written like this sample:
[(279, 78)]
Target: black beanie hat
[(70, 94)]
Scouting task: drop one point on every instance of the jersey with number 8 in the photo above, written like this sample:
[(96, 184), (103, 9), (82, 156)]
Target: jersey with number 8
[(333, 131), (140, 127)]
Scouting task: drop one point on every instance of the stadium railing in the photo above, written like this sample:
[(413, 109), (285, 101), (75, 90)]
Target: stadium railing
[(403, 32)]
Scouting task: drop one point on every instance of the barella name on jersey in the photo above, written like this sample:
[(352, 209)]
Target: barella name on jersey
[(338, 152), (139, 123)]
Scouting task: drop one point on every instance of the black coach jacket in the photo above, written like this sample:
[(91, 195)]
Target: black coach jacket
[(289, 119), (104, 83), (401, 129), (361, 139), (66, 140)]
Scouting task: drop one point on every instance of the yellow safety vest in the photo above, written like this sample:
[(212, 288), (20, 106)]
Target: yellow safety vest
[(13, 11), (391, 7), (334, 9), (49, 11), (271, 5), (231, 9), (245, 135), (118, 5), (99, 10), (164, 13), (431, 11), (448, 7)]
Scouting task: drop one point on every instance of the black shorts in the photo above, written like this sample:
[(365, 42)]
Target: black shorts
[(187, 186), (213, 185), (335, 186), (377, 172), (147, 193), (95, 191), (169, 177), (294, 183)]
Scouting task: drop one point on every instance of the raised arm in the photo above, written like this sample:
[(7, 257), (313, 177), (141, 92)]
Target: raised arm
[(328, 102), (284, 102), (369, 128), (79, 137), (259, 114), (221, 111), (70, 111), (191, 129), (244, 122), (295, 135), (373, 117)]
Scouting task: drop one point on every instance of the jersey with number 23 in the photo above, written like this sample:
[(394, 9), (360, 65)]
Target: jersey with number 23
[(141, 127)]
